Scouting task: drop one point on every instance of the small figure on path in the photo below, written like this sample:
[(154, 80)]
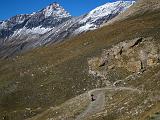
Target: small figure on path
[(92, 97)]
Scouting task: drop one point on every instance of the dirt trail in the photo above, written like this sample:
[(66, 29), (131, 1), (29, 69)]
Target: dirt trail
[(99, 104), (94, 107)]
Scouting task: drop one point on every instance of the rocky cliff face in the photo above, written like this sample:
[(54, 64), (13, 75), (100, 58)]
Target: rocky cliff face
[(50, 25), (133, 56)]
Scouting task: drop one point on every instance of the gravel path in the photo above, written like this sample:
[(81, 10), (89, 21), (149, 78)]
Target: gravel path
[(99, 104)]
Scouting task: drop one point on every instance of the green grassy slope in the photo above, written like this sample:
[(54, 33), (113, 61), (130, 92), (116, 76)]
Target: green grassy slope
[(51, 75)]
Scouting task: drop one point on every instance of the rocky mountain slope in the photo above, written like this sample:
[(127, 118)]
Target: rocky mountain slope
[(50, 25), (139, 8), (119, 64)]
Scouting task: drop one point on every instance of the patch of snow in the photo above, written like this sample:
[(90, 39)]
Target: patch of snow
[(19, 18), (33, 13), (37, 30), (84, 28), (3, 25), (107, 9)]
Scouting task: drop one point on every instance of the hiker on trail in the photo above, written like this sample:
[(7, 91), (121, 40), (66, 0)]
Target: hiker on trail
[(92, 97), (4, 117)]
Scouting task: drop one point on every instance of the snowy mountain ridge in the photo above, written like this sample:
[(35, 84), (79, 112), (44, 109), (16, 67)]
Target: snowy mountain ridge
[(108, 8), (53, 24), (102, 12), (55, 10)]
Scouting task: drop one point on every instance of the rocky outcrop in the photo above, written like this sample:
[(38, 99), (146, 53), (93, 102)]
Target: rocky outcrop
[(132, 55)]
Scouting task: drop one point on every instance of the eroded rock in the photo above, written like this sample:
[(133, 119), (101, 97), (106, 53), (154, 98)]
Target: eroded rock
[(134, 55)]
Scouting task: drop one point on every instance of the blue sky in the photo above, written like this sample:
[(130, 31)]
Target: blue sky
[(9, 8)]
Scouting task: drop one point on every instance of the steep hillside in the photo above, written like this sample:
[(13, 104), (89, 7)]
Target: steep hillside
[(54, 82)]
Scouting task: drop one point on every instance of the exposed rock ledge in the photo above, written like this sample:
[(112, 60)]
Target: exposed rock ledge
[(131, 55)]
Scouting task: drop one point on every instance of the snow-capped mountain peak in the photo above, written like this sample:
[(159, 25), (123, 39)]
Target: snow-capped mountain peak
[(55, 10), (52, 25), (102, 14), (108, 9)]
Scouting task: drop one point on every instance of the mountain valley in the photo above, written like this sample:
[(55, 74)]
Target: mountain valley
[(118, 62)]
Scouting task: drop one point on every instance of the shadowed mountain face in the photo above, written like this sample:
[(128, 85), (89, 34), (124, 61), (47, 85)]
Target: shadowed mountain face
[(51, 25)]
